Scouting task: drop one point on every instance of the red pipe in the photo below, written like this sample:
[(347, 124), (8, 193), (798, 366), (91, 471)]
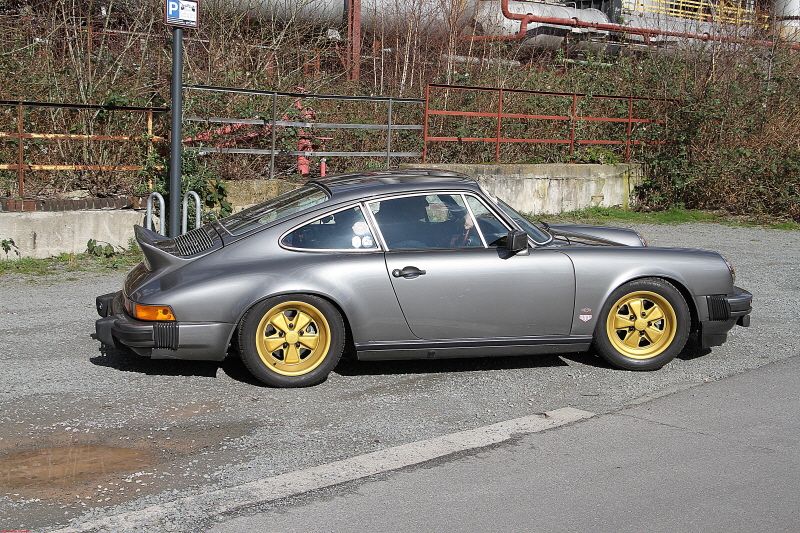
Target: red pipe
[(617, 28)]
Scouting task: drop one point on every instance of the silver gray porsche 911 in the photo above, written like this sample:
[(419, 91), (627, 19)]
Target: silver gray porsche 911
[(406, 265)]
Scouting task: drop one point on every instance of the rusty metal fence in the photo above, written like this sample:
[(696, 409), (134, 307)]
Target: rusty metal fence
[(537, 117), (452, 114), (275, 119), (21, 135)]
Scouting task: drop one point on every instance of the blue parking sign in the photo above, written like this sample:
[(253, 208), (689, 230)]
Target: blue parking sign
[(181, 13)]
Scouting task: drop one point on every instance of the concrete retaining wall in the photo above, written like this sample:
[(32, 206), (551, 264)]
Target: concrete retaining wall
[(536, 189), (556, 188), (47, 234)]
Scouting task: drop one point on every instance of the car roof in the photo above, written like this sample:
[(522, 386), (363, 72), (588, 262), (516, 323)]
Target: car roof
[(360, 184)]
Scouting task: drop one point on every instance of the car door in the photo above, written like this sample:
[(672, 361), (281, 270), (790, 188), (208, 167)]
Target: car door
[(453, 281)]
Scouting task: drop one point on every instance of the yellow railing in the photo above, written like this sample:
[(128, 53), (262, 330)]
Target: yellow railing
[(702, 10)]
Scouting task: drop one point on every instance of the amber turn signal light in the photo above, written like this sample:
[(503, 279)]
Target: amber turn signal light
[(148, 312), (152, 312)]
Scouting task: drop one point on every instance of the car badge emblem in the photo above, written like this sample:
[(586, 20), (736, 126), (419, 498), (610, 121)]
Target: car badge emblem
[(585, 318)]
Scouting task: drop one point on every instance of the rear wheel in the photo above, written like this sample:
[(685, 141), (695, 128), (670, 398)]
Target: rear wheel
[(292, 340), (643, 326)]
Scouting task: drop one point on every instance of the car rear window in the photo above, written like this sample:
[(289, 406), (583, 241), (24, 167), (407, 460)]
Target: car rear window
[(279, 207), (344, 230)]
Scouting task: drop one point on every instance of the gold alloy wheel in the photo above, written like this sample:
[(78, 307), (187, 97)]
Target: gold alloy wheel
[(641, 325), (293, 338)]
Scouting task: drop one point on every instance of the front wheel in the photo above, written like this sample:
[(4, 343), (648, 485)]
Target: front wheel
[(643, 325), (291, 340)]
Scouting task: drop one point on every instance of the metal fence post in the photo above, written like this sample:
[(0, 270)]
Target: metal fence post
[(572, 119), (499, 122), (630, 130), (20, 158), (389, 137), (272, 128), (425, 124)]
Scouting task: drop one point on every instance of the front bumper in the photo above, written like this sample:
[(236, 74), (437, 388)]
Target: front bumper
[(160, 340), (725, 312)]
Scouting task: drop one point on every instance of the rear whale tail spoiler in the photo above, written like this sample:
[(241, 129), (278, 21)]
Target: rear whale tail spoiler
[(157, 249)]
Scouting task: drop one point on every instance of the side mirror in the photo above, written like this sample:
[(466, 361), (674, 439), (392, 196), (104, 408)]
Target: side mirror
[(516, 241)]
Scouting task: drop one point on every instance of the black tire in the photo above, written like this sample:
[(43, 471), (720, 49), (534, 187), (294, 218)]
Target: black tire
[(282, 352), (643, 325)]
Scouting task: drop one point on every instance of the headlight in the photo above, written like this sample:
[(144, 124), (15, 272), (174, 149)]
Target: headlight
[(148, 312), (730, 267)]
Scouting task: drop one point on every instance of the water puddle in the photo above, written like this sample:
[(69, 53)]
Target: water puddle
[(68, 465)]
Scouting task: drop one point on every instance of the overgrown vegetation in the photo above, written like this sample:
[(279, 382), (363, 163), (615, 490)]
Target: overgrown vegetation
[(8, 245), (98, 256), (730, 131), (196, 175)]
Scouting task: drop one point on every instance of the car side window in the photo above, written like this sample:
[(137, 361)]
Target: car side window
[(493, 230), (426, 221), (344, 230)]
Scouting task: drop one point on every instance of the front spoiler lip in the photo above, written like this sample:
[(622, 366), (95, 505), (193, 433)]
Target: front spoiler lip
[(740, 302), (715, 332)]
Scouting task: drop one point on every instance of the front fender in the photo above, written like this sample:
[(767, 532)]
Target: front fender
[(599, 271)]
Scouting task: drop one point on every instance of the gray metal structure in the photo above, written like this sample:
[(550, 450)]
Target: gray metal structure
[(412, 264), (273, 123)]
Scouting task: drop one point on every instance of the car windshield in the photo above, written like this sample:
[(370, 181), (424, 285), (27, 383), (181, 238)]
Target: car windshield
[(533, 232), (279, 207)]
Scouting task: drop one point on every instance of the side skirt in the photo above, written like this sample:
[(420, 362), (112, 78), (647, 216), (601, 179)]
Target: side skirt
[(444, 349)]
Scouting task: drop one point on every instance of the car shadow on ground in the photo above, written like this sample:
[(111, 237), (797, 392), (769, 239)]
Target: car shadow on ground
[(353, 367), (588, 358), (234, 368), (127, 361), (692, 352)]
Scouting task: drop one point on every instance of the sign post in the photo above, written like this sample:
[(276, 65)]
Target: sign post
[(179, 14)]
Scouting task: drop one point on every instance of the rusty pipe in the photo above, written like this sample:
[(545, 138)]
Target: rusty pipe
[(616, 28)]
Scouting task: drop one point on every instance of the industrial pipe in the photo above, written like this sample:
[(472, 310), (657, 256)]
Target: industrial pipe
[(574, 22)]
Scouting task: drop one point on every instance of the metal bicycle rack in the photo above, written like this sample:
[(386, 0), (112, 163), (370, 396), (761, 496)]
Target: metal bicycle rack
[(186, 210), (162, 211)]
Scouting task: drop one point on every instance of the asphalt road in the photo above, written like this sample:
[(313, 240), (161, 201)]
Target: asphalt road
[(87, 433), (720, 457)]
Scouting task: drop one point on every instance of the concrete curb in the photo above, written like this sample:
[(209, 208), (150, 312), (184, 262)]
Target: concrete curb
[(222, 501)]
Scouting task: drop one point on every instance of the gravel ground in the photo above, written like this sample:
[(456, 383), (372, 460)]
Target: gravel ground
[(88, 432)]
